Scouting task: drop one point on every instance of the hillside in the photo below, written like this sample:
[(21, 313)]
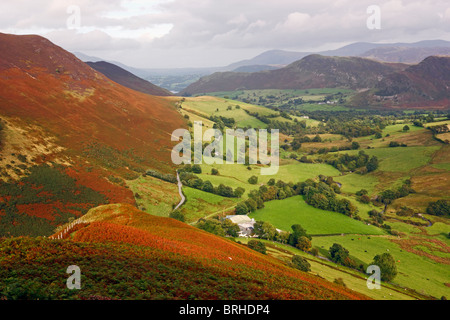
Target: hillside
[(127, 79), (313, 71), (423, 85), (70, 136), (147, 257)]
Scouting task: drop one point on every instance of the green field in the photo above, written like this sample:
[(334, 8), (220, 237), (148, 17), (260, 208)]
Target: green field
[(210, 106), (235, 175), (285, 213), (200, 204), (353, 279), (422, 259), (416, 272), (354, 182), (400, 159), (156, 197)]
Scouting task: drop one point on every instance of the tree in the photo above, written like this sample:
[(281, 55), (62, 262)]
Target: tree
[(196, 169), (271, 182), (225, 191), (230, 228), (253, 180), (214, 172), (208, 187), (297, 233), (265, 230), (241, 209), (301, 263), (372, 165), (406, 128), (238, 192), (439, 208), (211, 226), (340, 255), (303, 243), (387, 266), (355, 145), (257, 246), (177, 215)]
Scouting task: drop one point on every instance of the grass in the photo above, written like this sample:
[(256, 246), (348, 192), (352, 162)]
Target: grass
[(354, 182), (156, 197), (285, 213), (400, 159), (292, 171), (354, 280), (200, 204), (209, 106), (416, 272)]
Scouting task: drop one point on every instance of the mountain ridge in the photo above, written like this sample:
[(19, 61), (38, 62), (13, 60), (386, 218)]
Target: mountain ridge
[(313, 71)]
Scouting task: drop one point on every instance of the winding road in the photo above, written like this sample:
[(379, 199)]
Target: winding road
[(180, 190)]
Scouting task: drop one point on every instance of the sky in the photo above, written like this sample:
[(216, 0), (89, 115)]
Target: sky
[(211, 33)]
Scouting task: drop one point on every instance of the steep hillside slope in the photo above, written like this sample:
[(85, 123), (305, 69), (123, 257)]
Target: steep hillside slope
[(313, 71), (127, 79), (426, 84), (92, 132), (126, 254)]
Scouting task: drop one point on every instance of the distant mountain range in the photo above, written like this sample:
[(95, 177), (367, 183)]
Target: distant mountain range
[(177, 79), (394, 52), (313, 71)]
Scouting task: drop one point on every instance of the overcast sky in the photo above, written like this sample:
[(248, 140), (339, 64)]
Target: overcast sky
[(202, 33)]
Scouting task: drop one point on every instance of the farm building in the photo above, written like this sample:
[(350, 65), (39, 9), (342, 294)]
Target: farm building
[(245, 224)]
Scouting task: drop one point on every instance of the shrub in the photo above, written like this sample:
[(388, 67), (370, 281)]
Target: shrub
[(177, 215), (253, 180), (196, 169), (301, 263), (257, 246), (303, 243), (387, 266), (241, 209)]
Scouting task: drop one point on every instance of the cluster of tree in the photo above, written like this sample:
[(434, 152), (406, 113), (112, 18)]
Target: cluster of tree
[(362, 161), (439, 208), (322, 195), (300, 263), (340, 255), (387, 266), (439, 129), (222, 122), (162, 176), (272, 191), (285, 127), (220, 228), (257, 246), (377, 217), (196, 168), (388, 196), (353, 146), (385, 261), (265, 230), (395, 144), (177, 215), (363, 196), (191, 180)]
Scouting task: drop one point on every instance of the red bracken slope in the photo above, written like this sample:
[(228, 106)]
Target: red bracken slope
[(43, 84), (167, 241), (58, 109)]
